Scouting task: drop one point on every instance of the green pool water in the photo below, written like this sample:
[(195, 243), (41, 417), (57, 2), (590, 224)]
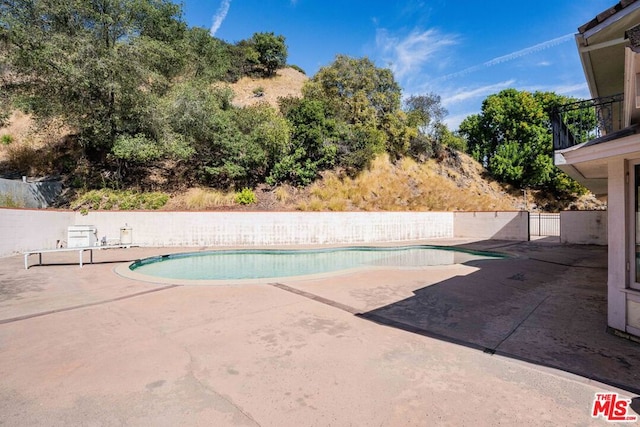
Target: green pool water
[(255, 264)]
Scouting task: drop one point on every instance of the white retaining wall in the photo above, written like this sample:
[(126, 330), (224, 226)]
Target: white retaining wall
[(27, 229), (270, 228), (583, 227), (24, 229), (492, 225)]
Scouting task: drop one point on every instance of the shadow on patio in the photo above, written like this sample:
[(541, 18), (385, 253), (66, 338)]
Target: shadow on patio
[(546, 306)]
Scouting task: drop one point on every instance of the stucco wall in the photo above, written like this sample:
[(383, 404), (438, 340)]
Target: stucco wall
[(269, 228), (583, 227), (27, 229), (492, 225)]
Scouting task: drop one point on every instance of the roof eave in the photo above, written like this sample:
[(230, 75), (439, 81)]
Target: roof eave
[(587, 66)]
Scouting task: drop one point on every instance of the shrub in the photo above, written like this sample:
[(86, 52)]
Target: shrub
[(136, 148), (119, 200), (154, 200), (246, 197), (258, 92), (297, 68), (200, 198), (282, 194), (6, 139), (337, 205), (314, 205), (23, 158), (7, 201)]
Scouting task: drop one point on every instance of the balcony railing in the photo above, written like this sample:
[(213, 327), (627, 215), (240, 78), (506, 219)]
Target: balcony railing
[(586, 120)]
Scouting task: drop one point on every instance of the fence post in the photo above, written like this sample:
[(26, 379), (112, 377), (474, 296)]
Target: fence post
[(539, 224)]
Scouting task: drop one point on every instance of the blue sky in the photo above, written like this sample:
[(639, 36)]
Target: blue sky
[(461, 50)]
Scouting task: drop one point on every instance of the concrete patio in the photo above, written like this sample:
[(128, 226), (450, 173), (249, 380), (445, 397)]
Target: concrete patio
[(520, 340)]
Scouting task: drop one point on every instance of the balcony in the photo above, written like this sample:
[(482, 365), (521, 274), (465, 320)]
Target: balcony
[(586, 120)]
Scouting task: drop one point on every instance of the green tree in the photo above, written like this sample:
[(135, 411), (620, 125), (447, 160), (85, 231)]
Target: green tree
[(90, 63), (425, 113), (208, 58), (272, 51), (450, 139), (203, 117), (267, 135), (244, 60), (399, 133), (355, 89), (512, 137), (227, 147), (312, 148), (365, 102)]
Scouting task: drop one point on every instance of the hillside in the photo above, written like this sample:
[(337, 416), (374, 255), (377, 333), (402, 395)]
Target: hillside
[(32, 150), (455, 182), (24, 137), (452, 182), (286, 82), (160, 117)]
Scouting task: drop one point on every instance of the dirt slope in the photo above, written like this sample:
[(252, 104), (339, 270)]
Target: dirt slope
[(286, 82)]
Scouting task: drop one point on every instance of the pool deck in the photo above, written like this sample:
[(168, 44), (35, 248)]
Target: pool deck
[(514, 341)]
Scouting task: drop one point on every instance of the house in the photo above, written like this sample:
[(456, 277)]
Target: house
[(606, 158)]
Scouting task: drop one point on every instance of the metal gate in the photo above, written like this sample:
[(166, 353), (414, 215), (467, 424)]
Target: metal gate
[(544, 224)]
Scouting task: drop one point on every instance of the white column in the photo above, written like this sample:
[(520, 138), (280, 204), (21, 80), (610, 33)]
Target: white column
[(618, 228)]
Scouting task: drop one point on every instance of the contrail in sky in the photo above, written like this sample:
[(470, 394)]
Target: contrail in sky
[(510, 57), (219, 16)]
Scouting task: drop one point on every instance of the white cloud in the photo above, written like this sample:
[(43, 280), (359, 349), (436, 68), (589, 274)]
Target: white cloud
[(464, 102), (407, 55), (511, 56), (580, 90), (219, 17), (529, 50), (483, 91), (453, 122)]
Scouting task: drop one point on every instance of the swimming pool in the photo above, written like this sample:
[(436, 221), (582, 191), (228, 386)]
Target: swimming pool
[(263, 264)]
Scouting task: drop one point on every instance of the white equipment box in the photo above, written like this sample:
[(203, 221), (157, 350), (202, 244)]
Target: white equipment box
[(82, 236)]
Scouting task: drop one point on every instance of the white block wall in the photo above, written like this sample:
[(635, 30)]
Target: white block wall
[(269, 228), (492, 225), (583, 227), (27, 229)]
